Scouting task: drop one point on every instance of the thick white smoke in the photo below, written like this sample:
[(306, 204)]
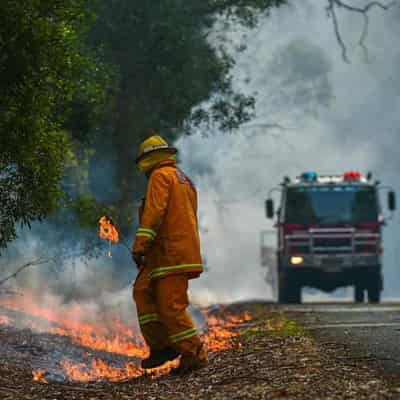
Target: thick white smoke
[(332, 117), (313, 112)]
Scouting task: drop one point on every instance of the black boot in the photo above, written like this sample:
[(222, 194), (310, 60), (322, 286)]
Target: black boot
[(159, 357)]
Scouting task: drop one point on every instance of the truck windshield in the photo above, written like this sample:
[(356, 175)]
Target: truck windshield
[(331, 205)]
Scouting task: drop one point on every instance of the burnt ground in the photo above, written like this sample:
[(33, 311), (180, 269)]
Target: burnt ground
[(272, 358)]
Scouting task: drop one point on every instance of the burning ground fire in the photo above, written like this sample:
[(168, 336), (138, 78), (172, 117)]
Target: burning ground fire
[(4, 320), (103, 341)]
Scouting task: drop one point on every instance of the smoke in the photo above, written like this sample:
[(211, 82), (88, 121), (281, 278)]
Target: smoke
[(314, 112), (67, 262)]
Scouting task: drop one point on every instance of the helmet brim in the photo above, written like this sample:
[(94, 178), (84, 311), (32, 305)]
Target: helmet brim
[(171, 150)]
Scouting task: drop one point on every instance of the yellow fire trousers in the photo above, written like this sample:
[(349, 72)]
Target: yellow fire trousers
[(164, 321)]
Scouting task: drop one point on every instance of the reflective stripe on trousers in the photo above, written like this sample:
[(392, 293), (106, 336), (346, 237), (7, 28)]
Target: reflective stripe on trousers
[(163, 271), (146, 318), (187, 334), (146, 232)]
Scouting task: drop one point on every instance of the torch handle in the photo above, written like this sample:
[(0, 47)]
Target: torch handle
[(125, 244)]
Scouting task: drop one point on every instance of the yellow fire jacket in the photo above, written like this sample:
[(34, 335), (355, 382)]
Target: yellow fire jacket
[(168, 235)]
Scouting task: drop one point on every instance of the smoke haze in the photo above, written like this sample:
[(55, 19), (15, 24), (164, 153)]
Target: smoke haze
[(332, 117), (313, 112)]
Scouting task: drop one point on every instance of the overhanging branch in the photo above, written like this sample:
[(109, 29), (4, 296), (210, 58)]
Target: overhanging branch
[(23, 267), (332, 7), (366, 8), (41, 261)]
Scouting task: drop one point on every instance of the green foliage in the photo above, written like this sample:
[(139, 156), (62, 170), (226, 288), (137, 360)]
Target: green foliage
[(87, 210), (167, 67), (41, 64), (76, 74)]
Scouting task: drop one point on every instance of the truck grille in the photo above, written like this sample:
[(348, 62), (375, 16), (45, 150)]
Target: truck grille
[(332, 242)]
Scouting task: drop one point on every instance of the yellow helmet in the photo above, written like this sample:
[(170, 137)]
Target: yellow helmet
[(154, 143)]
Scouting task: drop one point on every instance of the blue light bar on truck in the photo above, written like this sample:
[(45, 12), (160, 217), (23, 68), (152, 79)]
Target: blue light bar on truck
[(309, 176)]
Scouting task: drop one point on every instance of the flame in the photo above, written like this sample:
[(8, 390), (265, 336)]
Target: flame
[(38, 376), (220, 330), (107, 229), (4, 320), (99, 370), (109, 334), (101, 338), (217, 338)]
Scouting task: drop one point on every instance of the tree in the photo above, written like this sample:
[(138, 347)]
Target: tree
[(167, 67), (42, 60)]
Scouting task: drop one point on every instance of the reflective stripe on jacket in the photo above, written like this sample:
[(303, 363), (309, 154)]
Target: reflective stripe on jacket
[(168, 234)]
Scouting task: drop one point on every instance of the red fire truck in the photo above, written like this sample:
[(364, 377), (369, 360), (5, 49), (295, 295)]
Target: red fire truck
[(329, 234)]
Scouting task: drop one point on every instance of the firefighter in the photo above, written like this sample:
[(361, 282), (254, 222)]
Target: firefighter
[(167, 253)]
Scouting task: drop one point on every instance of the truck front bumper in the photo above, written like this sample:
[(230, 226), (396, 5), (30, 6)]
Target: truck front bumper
[(330, 272), (326, 261)]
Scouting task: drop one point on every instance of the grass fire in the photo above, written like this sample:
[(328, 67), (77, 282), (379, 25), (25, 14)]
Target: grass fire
[(93, 348)]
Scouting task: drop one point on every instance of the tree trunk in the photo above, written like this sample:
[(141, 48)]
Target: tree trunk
[(131, 183)]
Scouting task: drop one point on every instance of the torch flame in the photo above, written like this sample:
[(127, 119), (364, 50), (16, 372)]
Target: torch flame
[(107, 229), (4, 320), (38, 376)]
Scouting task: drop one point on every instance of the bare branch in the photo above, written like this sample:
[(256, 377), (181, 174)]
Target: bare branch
[(332, 13), (266, 126), (331, 10), (366, 8), (363, 36), (10, 292), (47, 260), (35, 263)]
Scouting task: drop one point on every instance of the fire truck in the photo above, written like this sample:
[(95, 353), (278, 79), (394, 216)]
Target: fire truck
[(329, 234)]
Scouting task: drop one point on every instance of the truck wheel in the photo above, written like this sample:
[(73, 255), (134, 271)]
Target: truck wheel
[(282, 289), (358, 294), (294, 296), (375, 287), (374, 295), (289, 291)]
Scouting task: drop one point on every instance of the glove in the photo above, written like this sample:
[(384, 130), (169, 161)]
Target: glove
[(138, 259)]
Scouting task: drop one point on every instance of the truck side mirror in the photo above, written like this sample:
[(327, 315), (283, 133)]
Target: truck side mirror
[(269, 206), (392, 201)]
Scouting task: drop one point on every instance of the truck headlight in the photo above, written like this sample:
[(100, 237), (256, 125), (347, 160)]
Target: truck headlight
[(296, 260)]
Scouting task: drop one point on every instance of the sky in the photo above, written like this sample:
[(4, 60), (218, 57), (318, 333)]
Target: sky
[(333, 116)]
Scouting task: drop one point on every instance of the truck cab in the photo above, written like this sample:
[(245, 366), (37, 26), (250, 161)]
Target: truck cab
[(329, 235)]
